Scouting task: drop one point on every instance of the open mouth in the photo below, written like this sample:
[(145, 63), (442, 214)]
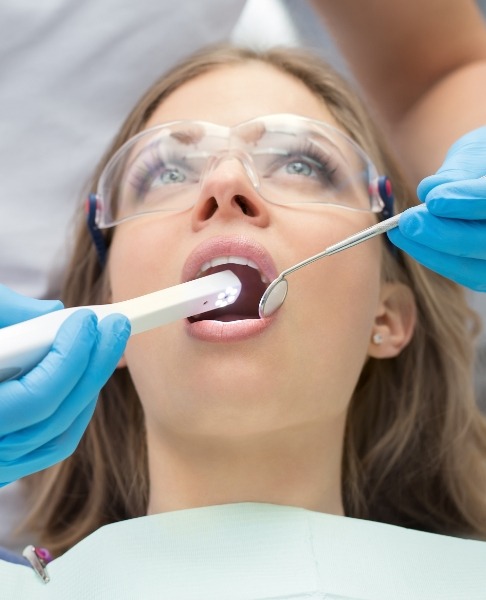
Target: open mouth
[(254, 283)]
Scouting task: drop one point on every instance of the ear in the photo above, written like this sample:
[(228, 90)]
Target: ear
[(394, 321)]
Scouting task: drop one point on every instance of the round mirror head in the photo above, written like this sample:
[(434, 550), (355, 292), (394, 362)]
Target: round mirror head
[(273, 298)]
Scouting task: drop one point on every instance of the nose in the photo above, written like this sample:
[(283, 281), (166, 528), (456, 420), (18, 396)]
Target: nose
[(227, 193)]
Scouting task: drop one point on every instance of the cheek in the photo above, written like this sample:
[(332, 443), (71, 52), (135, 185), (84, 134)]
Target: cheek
[(143, 355), (140, 261), (346, 283), (343, 289), (334, 302)]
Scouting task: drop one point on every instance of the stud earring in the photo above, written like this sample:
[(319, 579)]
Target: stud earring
[(377, 338)]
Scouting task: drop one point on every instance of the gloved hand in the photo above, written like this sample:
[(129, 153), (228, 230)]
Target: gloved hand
[(44, 413), (448, 233)]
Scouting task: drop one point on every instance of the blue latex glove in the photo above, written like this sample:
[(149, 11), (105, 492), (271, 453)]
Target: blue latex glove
[(448, 233), (44, 413)]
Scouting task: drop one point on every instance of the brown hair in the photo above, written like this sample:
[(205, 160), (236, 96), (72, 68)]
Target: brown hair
[(415, 442)]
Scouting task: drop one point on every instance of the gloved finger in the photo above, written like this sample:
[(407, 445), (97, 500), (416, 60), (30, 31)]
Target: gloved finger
[(465, 159), (48, 455), (38, 394), (470, 272), (459, 199), (15, 308), (113, 331), (449, 236), (15, 446)]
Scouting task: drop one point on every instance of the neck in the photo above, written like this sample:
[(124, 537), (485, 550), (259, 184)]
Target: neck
[(300, 468)]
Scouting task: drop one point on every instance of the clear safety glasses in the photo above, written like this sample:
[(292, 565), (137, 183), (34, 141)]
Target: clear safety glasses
[(289, 160)]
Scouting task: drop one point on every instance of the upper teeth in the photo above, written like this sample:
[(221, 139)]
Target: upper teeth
[(238, 260)]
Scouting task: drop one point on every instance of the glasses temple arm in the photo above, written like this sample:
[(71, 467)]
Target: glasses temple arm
[(95, 232)]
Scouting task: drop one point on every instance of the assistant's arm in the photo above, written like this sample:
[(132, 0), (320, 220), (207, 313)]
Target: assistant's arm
[(422, 64)]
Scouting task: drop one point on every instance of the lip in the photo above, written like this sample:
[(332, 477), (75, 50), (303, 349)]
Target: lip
[(229, 246), (234, 331)]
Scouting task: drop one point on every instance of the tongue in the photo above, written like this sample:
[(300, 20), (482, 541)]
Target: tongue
[(246, 306)]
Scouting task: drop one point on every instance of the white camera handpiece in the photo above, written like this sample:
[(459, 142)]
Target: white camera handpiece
[(24, 345)]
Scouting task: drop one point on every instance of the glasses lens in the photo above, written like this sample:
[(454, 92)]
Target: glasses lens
[(155, 171), (308, 166), (290, 160)]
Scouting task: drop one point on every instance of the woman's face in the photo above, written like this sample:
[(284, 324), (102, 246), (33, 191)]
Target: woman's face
[(249, 376)]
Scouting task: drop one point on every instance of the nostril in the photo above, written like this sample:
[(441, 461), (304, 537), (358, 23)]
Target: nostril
[(245, 207), (238, 203), (210, 208)]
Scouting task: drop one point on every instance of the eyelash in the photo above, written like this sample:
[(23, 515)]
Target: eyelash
[(309, 153), (142, 177)]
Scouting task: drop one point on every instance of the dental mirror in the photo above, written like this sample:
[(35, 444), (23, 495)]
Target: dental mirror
[(275, 294)]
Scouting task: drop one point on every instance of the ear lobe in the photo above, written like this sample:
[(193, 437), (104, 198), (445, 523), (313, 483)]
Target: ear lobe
[(394, 322)]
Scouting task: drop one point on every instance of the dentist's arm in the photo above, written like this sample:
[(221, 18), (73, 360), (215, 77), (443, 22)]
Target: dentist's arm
[(422, 65), (44, 413)]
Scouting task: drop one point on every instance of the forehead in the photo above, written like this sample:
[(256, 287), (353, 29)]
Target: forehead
[(229, 95)]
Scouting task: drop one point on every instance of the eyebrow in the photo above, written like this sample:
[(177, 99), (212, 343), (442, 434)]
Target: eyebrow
[(251, 132), (190, 135)]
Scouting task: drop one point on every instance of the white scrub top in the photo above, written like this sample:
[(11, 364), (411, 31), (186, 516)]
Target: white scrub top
[(71, 72), (257, 551)]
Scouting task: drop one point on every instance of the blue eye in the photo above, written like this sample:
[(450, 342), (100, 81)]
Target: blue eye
[(298, 167), (169, 176), (157, 174), (302, 164)]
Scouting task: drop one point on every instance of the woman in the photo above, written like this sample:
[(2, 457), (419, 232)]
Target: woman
[(354, 399)]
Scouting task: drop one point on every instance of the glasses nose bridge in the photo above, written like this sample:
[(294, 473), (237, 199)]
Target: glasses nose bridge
[(223, 157)]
